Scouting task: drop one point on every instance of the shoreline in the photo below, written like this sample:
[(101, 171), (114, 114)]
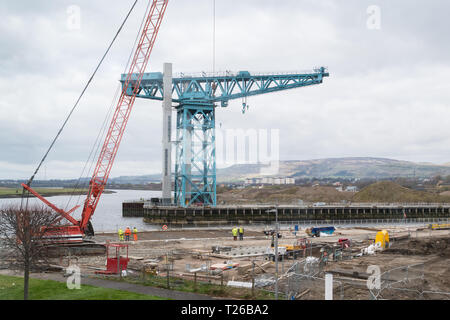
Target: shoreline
[(51, 194)]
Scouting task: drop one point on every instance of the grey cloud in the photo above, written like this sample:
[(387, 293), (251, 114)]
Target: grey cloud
[(387, 94)]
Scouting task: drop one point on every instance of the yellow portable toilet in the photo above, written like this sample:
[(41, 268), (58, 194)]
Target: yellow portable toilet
[(383, 238)]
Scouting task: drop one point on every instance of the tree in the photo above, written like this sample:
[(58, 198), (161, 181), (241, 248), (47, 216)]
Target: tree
[(22, 233)]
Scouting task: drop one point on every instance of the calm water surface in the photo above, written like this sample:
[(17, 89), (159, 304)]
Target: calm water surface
[(108, 215)]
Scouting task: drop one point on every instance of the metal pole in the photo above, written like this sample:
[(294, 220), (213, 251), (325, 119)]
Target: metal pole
[(276, 254), (253, 279), (166, 140), (168, 276), (328, 286), (195, 281), (168, 271), (118, 260), (276, 249)]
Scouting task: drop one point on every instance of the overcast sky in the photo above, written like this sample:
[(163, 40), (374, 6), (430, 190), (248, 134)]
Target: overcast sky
[(388, 94)]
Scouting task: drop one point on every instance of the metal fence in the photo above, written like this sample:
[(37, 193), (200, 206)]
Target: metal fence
[(401, 283), (315, 223), (304, 279), (405, 282)]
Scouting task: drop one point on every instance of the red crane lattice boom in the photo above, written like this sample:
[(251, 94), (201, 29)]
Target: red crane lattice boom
[(118, 122), (123, 109)]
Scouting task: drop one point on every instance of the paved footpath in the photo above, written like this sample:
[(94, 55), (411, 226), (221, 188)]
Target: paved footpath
[(124, 286)]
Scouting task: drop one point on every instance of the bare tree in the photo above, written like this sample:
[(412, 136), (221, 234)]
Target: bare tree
[(23, 234)]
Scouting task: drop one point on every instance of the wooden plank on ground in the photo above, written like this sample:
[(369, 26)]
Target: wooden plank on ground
[(302, 294)]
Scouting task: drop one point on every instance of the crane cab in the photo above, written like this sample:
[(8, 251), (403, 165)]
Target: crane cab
[(243, 74)]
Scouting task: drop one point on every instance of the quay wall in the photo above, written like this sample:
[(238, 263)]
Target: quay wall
[(259, 214)]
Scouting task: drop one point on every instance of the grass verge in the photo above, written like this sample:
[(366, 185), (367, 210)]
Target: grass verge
[(45, 192), (11, 288)]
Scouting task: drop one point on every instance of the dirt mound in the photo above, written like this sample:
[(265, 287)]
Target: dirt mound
[(384, 191), (387, 191), (282, 194), (440, 247)]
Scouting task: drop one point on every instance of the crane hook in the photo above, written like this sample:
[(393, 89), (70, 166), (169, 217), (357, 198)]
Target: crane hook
[(245, 107)]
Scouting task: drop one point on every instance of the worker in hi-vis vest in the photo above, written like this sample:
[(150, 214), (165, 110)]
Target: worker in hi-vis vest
[(241, 233), (135, 234), (127, 234), (120, 234), (235, 233)]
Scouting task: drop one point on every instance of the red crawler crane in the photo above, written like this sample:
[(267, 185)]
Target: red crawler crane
[(78, 229)]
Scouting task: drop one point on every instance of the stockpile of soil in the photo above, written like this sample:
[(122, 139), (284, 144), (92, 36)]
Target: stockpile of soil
[(439, 247), (282, 195), (390, 192), (383, 192)]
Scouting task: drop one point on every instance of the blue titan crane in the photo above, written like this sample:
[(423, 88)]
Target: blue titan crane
[(197, 96)]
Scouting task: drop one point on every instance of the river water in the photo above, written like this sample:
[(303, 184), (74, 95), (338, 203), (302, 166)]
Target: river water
[(108, 215)]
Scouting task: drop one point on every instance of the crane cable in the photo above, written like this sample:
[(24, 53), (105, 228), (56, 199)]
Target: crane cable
[(101, 133), (214, 37), (75, 106)]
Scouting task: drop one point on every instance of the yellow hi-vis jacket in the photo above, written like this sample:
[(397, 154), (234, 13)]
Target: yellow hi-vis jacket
[(120, 232), (235, 232), (134, 230), (241, 230)]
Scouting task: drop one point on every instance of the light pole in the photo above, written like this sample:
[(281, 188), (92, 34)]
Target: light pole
[(276, 249)]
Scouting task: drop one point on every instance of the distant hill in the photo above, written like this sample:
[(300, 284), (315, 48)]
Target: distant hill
[(346, 168), (144, 179), (372, 168), (390, 192)]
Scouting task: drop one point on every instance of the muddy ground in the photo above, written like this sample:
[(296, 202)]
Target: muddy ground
[(194, 249), (178, 234)]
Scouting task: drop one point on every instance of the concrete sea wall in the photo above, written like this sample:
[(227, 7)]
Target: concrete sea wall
[(259, 214)]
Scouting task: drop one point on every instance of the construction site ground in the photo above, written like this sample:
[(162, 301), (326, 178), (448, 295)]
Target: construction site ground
[(192, 249)]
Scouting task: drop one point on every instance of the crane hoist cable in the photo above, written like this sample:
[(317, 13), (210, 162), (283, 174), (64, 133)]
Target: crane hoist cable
[(93, 153), (97, 144), (214, 36), (30, 181)]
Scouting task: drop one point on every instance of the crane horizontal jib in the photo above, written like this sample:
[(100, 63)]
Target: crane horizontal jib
[(212, 88), (197, 95)]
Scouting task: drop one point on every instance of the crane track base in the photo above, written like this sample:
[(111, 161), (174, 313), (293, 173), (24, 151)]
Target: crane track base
[(86, 248)]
